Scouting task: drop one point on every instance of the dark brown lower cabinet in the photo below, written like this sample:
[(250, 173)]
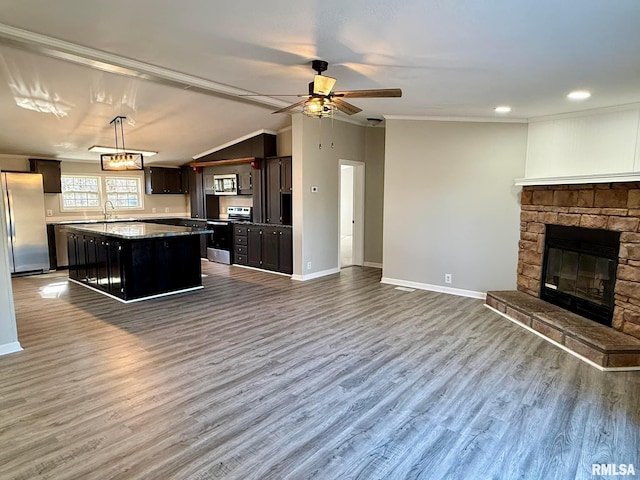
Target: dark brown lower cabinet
[(266, 247), (270, 249), (254, 246), (285, 246), (135, 268)]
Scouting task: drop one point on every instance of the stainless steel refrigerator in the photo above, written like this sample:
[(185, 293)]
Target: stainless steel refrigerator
[(26, 227)]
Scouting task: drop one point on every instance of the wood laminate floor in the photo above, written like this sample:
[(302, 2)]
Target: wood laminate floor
[(261, 377)]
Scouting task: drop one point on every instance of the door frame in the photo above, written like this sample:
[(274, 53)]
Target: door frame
[(358, 210)]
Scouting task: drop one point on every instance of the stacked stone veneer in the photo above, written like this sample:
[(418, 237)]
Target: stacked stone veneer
[(608, 206)]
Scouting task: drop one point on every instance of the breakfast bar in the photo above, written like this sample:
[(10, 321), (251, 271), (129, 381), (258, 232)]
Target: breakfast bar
[(133, 261)]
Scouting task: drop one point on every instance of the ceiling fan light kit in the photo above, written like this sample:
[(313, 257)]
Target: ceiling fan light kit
[(322, 102), (319, 107)]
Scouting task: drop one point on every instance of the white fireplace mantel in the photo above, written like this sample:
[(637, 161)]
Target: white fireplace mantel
[(580, 179)]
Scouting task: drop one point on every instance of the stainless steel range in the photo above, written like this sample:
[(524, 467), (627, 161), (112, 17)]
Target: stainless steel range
[(219, 243)]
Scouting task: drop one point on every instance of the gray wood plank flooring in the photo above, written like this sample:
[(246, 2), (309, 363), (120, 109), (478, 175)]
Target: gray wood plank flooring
[(261, 377)]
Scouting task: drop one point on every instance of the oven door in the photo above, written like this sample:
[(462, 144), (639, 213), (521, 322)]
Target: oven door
[(219, 242)]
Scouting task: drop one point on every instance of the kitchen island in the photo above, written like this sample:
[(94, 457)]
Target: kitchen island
[(133, 261)]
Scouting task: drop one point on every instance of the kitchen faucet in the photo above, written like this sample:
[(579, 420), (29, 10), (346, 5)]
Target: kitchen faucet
[(106, 215)]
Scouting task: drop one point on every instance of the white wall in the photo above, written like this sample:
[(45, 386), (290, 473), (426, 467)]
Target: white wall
[(450, 204), (600, 142), (346, 200), (316, 215), (8, 331)]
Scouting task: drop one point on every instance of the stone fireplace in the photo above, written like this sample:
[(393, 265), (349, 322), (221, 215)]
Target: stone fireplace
[(613, 207)]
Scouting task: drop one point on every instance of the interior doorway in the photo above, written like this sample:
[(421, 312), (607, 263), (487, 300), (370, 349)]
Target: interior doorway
[(351, 240)]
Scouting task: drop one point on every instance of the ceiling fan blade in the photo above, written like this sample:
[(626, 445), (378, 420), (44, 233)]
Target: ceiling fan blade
[(269, 95), (379, 93), (290, 107), (346, 107), (322, 85)]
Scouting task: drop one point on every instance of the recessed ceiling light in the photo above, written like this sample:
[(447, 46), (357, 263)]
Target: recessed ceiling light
[(502, 109), (579, 95)]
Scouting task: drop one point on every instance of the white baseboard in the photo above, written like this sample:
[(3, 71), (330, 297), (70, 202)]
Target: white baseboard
[(261, 270), (311, 276), (8, 348), (435, 288), (373, 264), (134, 300)]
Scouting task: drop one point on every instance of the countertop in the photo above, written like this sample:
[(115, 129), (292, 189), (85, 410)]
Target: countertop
[(135, 230), (243, 222), (121, 220)]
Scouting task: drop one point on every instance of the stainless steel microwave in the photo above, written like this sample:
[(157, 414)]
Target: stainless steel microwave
[(225, 184)]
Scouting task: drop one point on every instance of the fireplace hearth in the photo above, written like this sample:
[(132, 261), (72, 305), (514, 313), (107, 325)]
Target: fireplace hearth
[(579, 270)]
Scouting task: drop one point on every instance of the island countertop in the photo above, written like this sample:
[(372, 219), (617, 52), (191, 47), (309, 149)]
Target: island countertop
[(135, 230)]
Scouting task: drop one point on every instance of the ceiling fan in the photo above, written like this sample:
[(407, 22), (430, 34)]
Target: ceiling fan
[(321, 101)]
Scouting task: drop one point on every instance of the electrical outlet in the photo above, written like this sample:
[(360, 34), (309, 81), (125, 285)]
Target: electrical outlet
[(308, 265), (154, 210), (166, 210), (448, 278), (49, 212)]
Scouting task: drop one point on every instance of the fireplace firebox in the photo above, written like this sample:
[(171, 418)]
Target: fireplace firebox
[(579, 270)]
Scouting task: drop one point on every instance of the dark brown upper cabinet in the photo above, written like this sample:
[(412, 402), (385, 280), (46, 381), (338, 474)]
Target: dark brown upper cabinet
[(260, 146), (278, 186), (50, 170), (163, 180)]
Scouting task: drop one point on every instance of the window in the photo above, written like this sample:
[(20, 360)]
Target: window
[(123, 192), (80, 192)]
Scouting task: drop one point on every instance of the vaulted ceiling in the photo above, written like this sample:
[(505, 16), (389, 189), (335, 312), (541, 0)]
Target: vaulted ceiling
[(177, 69)]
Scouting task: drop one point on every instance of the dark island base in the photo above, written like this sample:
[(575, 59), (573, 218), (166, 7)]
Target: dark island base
[(135, 269)]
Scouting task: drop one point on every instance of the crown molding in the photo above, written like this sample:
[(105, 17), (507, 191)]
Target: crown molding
[(587, 113), (432, 118)]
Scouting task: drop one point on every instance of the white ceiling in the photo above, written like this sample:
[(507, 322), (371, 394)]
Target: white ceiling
[(450, 58)]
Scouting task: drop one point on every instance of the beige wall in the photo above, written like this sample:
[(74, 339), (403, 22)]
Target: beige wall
[(315, 215), (450, 204), (284, 141), (374, 194), (164, 205)]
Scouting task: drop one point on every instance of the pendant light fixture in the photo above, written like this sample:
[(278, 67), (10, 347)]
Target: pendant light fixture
[(121, 160)]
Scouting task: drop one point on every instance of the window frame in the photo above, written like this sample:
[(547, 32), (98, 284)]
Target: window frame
[(139, 191), (103, 195), (98, 208)]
